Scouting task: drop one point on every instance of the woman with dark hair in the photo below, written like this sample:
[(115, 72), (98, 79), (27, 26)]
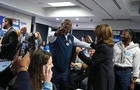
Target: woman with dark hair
[(36, 77), (101, 74), (40, 70)]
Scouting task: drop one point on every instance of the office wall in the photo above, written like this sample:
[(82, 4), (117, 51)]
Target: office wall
[(45, 22), (13, 14)]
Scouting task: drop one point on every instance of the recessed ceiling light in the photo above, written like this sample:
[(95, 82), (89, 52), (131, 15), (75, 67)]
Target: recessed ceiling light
[(57, 19), (59, 4), (77, 19)]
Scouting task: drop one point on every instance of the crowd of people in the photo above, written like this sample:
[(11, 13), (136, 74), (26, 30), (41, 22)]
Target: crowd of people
[(67, 63)]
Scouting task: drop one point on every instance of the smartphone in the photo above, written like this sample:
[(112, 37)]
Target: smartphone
[(24, 48)]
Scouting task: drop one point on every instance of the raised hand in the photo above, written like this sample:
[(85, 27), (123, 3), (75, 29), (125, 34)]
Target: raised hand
[(78, 49), (89, 39)]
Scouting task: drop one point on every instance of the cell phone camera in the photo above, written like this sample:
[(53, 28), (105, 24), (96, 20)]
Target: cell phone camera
[(24, 48)]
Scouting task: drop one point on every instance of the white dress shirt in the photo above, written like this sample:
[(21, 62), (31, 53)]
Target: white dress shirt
[(127, 56)]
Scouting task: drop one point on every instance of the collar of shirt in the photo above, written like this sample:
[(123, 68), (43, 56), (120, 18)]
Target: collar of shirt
[(9, 28), (130, 44), (66, 36)]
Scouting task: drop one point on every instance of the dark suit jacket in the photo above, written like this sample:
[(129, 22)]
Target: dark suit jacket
[(9, 44), (101, 74)]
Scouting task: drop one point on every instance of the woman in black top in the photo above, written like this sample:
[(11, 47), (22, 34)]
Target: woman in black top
[(101, 75)]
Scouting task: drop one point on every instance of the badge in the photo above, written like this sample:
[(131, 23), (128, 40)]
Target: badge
[(67, 44)]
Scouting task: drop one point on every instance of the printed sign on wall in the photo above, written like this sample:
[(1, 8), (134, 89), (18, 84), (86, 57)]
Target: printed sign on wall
[(16, 25)]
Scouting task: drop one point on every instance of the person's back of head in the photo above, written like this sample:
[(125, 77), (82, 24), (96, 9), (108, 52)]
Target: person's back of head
[(104, 34)]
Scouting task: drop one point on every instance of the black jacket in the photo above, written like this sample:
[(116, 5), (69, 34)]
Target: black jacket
[(101, 74), (9, 44)]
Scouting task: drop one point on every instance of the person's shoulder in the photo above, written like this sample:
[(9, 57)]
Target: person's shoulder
[(134, 45), (71, 35), (137, 46), (51, 33), (118, 44), (28, 34), (103, 48), (101, 45), (12, 31), (104, 45)]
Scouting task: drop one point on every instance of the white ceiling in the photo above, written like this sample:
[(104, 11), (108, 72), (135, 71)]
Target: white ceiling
[(88, 11)]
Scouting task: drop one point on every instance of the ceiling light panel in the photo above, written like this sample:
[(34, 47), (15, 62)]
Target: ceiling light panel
[(77, 19), (57, 19), (61, 4)]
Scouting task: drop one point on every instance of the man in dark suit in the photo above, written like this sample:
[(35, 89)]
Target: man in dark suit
[(9, 41)]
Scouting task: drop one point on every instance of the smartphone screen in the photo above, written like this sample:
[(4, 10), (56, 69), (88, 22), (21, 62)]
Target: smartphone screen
[(24, 48)]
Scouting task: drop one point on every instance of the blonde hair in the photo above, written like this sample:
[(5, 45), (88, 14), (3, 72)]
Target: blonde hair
[(104, 34), (38, 35), (18, 32)]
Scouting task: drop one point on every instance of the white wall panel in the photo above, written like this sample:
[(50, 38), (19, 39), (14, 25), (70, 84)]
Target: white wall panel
[(16, 15)]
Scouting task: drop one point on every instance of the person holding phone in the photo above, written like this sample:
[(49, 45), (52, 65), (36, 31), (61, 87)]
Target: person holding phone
[(33, 72), (21, 64), (18, 68), (39, 73)]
